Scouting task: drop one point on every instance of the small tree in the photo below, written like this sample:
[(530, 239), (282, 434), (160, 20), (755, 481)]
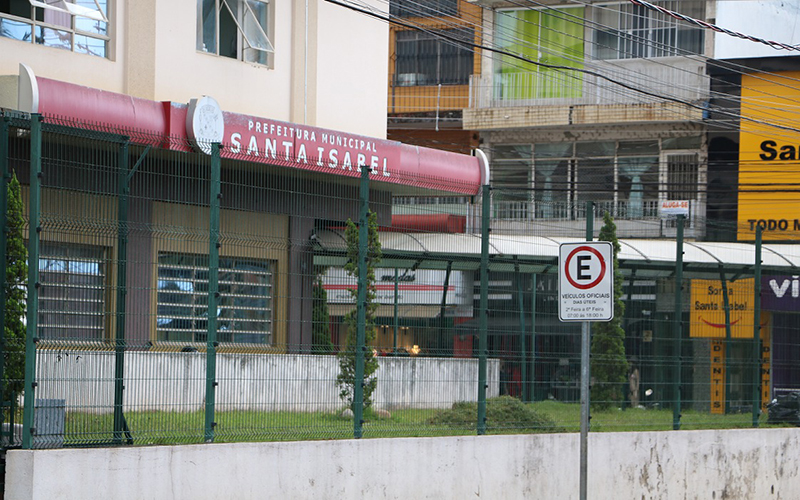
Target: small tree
[(347, 358), (13, 346), (609, 364), (320, 318)]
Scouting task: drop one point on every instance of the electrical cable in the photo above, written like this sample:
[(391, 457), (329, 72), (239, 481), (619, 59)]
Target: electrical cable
[(380, 16), (713, 94), (719, 29)]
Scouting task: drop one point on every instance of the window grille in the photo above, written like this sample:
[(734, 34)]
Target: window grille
[(244, 313), (423, 58), (423, 8), (628, 31), (72, 298)]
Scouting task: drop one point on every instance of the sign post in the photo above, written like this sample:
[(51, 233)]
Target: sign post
[(586, 294)]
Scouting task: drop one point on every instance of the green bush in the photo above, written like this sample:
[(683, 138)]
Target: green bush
[(502, 414), (609, 365), (13, 348)]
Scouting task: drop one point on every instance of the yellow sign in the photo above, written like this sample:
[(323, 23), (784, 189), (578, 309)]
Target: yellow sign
[(769, 157), (717, 376), (718, 368), (766, 354), (707, 311)]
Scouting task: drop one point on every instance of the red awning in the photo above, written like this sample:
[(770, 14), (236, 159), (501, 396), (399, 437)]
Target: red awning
[(254, 139)]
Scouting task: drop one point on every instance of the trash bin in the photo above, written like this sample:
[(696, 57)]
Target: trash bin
[(48, 420)]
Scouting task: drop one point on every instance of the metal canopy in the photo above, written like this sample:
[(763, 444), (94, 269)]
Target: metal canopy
[(539, 254)]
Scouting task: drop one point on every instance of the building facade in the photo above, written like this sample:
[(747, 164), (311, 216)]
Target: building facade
[(264, 58), (433, 53), (597, 102), (293, 141)]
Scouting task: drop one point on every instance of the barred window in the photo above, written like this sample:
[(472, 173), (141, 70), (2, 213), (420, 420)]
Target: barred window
[(423, 58), (631, 31), (682, 176), (244, 310), (72, 298), (423, 8)]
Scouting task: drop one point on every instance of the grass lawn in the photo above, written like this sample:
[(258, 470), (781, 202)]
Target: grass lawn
[(83, 429), (568, 415)]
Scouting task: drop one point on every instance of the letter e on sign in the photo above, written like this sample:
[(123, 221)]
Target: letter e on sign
[(586, 281)]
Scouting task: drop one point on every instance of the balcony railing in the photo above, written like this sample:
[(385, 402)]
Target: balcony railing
[(529, 210), (676, 78)]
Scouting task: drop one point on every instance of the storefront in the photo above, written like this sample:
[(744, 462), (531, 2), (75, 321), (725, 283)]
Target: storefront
[(277, 182)]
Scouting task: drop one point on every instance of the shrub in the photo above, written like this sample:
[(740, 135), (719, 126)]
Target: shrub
[(504, 413)]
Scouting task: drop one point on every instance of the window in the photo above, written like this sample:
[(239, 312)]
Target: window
[(625, 178), (638, 186), (244, 312), (76, 25), (682, 176), (423, 8), (567, 175), (423, 58), (553, 37), (239, 29), (630, 31), (511, 176), (72, 298)]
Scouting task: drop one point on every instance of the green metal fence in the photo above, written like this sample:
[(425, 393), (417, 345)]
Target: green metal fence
[(180, 297)]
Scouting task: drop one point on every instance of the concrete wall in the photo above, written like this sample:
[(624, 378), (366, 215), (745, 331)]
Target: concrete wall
[(734, 464), (175, 381)]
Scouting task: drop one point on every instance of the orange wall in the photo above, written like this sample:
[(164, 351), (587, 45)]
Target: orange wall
[(422, 98)]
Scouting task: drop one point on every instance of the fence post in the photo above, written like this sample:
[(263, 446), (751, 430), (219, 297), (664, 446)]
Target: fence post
[(4, 129), (757, 330), (443, 305), (396, 315), (522, 330), (123, 190), (726, 306), (361, 305), (532, 372), (676, 324), (213, 293), (484, 306), (32, 317)]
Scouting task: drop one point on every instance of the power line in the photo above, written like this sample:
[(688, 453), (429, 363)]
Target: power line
[(719, 29), (639, 76), (705, 108)]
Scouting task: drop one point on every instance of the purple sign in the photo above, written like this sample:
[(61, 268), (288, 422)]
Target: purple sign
[(780, 293)]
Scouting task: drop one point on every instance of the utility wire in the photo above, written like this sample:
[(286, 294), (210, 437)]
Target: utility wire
[(659, 46), (719, 29), (636, 38), (383, 17)]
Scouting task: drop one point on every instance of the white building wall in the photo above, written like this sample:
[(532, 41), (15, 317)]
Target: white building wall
[(330, 73), (181, 72), (352, 72), (767, 19), (734, 464)]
